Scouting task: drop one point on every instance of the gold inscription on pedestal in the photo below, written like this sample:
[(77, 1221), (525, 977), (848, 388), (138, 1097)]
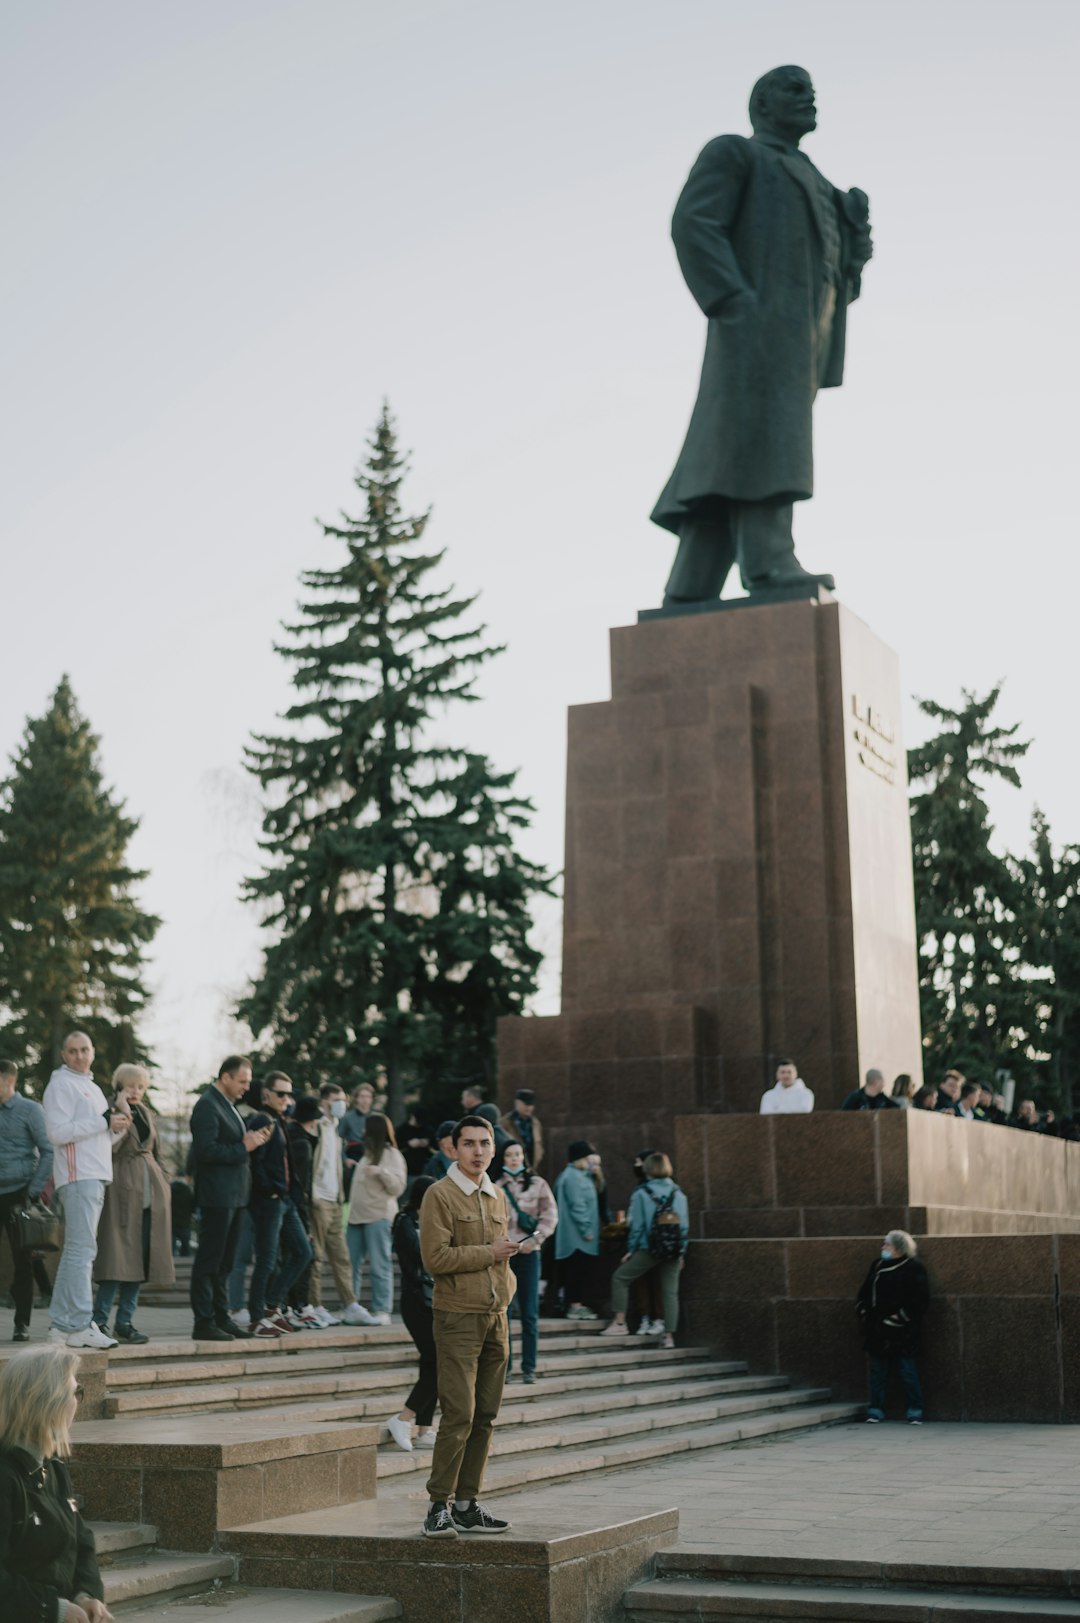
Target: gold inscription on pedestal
[(874, 739)]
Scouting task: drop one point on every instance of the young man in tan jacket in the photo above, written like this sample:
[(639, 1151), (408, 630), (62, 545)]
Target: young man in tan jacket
[(464, 1247)]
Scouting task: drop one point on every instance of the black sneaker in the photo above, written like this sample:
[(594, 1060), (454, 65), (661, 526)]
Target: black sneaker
[(475, 1519), (438, 1522), (209, 1332), (128, 1333), (22, 1333), (231, 1328)]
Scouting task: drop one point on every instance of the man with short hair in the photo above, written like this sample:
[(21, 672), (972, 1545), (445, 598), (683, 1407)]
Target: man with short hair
[(790, 1096), (464, 1246), (967, 1103), (83, 1129), (521, 1123), (489, 1114), (472, 1097), (26, 1158), (444, 1155), (221, 1145), (871, 1096), (1027, 1117), (327, 1195), (351, 1122), (282, 1248)]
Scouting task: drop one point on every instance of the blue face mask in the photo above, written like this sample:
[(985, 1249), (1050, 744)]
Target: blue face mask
[(886, 1253), (337, 1108)]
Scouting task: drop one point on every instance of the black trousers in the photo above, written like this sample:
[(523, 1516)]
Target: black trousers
[(418, 1321), (214, 1256), (22, 1285)]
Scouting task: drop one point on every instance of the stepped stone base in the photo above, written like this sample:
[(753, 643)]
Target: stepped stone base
[(193, 1474), (1001, 1339), (533, 1574)]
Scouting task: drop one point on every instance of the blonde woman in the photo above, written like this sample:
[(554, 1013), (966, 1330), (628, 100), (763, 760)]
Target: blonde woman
[(378, 1182), (135, 1229), (48, 1569)]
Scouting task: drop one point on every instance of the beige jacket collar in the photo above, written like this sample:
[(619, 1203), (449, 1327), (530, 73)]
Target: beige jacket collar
[(466, 1185)]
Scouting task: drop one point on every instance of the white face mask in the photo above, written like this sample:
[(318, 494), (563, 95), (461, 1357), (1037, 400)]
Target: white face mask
[(337, 1108)]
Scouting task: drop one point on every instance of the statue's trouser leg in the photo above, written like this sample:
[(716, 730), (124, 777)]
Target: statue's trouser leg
[(705, 556), (764, 546)]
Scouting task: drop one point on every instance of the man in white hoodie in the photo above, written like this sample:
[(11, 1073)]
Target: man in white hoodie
[(790, 1096), (83, 1130)]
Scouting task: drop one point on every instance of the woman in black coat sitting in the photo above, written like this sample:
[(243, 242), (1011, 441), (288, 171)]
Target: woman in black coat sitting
[(891, 1305), (48, 1569)]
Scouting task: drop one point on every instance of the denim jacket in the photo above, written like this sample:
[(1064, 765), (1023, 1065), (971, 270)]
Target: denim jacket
[(26, 1152)]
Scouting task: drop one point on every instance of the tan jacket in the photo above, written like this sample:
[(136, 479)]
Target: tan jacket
[(508, 1125), (457, 1232), (119, 1238)]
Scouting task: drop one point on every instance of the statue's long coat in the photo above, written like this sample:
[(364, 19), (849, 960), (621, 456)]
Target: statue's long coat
[(748, 219)]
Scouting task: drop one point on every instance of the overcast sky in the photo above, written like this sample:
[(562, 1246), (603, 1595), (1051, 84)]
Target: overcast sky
[(233, 228)]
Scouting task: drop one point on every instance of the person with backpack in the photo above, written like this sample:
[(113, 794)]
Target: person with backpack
[(659, 1219), (532, 1217)]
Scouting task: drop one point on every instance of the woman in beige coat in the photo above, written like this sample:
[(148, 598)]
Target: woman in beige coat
[(135, 1231)]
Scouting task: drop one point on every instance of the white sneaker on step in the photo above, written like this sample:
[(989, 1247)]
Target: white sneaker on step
[(425, 1439), (92, 1337), (401, 1431), (379, 1318), (355, 1314), (57, 1337), (241, 1317)]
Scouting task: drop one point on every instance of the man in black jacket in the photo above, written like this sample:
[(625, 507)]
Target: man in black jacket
[(282, 1247), (872, 1096), (220, 1147)]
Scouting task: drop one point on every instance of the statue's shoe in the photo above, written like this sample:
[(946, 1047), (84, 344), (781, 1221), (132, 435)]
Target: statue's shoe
[(777, 578)]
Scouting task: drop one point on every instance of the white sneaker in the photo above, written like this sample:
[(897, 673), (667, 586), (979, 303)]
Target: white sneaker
[(355, 1314), (241, 1317), (644, 1328), (57, 1337), (425, 1439), (379, 1318), (401, 1431), (91, 1337), (657, 1328), (325, 1319)]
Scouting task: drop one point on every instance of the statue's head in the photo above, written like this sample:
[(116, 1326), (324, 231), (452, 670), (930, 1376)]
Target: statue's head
[(782, 103)]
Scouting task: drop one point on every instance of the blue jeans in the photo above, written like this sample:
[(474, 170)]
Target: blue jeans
[(370, 1243), (879, 1383), (128, 1288), (245, 1250), (72, 1306), (266, 1216), (526, 1305), (293, 1258)]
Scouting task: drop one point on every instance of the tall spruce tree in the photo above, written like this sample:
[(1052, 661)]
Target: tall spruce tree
[(72, 935), (396, 898), (978, 1011), (1049, 916)]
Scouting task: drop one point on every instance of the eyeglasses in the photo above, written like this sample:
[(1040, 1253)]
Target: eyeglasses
[(281, 1093)]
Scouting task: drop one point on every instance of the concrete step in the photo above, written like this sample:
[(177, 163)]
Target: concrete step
[(677, 1412), (240, 1605), (163, 1576), (510, 1471), (119, 1539), (234, 1389), (663, 1600)]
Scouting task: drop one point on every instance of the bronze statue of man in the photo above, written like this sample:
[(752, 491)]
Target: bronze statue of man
[(773, 254)]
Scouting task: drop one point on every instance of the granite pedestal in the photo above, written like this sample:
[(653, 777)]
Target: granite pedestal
[(738, 878)]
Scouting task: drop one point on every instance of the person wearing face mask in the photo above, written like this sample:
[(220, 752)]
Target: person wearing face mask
[(325, 1210), (891, 1306), (48, 1566), (532, 1217)]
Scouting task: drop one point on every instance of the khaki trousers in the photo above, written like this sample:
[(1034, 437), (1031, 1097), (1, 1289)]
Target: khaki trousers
[(637, 1264), (328, 1244), (472, 1351)]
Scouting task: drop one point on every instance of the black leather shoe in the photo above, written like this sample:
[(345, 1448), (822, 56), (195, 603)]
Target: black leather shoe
[(209, 1332), (22, 1333), (234, 1330), (128, 1333)]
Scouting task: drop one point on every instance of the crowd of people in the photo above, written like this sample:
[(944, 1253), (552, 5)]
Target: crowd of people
[(954, 1095), (283, 1185)]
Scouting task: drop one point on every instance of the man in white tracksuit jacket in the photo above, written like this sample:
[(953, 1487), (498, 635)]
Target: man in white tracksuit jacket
[(83, 1130)]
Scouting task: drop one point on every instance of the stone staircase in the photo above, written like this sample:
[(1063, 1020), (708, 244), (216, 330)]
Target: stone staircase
[(786, 1589), (141, 1582), (596, 1406)]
